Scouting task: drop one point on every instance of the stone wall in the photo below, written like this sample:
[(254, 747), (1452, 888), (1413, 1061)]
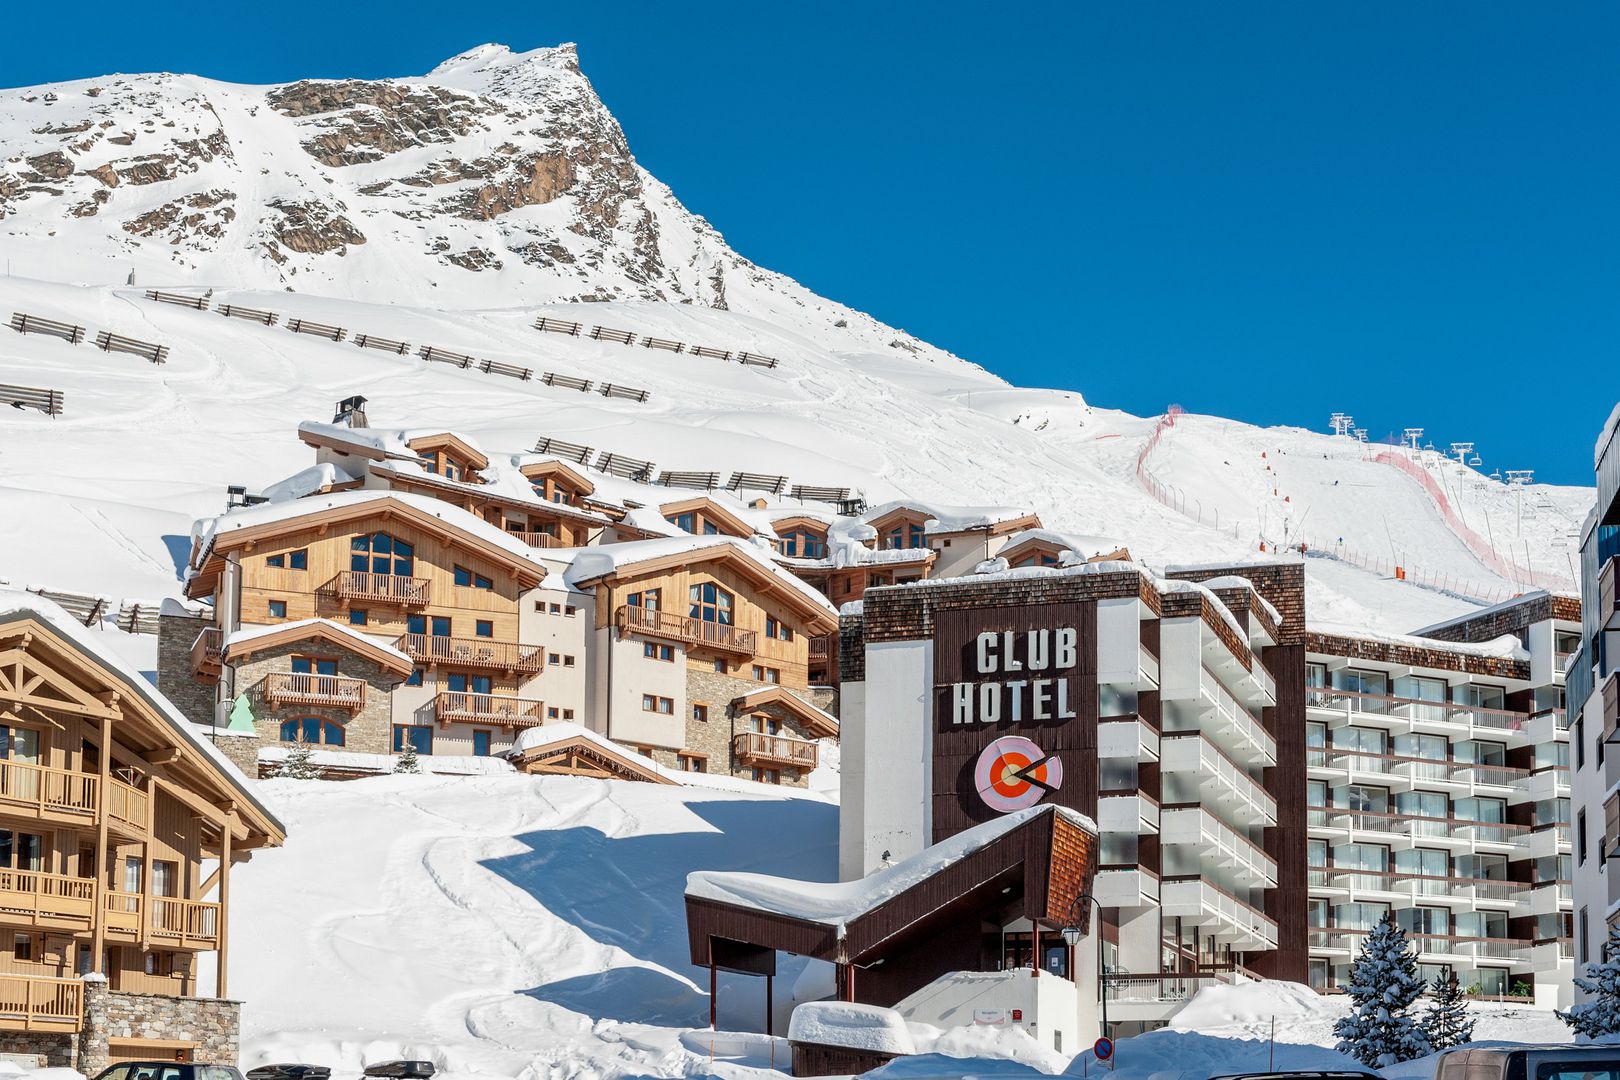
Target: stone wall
[(112, 1016), (713, 737), (57, 1049), (195, 700), (370, 730)]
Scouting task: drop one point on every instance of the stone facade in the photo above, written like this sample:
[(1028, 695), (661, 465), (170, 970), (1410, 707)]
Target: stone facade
[(113, 1017), (194, 699), (55, 1049), (369, 730), (713, 737)]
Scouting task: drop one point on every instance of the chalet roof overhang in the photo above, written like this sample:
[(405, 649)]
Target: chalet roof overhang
[(1038, 869), (352, 448), (333, 634), (481, 495), (556, 756), (818, 619), (43, 668), (713, 511), (816, 721), (449, 440), (558, 470)]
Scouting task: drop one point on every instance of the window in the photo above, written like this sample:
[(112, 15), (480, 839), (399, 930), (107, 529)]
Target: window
[(1578, 737), (570, 611), (484, 628), (462, 683), (700, 713), (278, 609), (777, 630), (554, 609), (767, 776), (551, 714), (416, 624), (380, 553), (710, 603), (357, 617), (1582, 952), (19, 744), (275, 560), (720, 667), (568, 660), (553, 659), (313, 665), (165, 878), (418, 735), (801, 544), (1038, 558), (159, 962), (1580, 837), (22, 947), (441, 626), (686, 522), (654, 704), (313, 730), (298, 560), (648, 598), (767, 674), (480, 744), (651, 651), (415, 677), (21, 851), (693, 762), (468, 579), (568, 714)]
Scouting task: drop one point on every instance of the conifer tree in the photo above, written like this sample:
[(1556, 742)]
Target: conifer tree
[(299, 764), (407, 761), (1599, 1014), (1380, 1030), (1447, 1022)]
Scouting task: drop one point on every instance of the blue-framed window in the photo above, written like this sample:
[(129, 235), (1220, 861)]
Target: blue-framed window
[(708, 602), (313, 730), (481, 742), (357, 616), (278, 609), (380, 553), (417, 735)]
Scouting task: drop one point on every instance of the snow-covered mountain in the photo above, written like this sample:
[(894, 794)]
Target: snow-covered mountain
[(454, 208)]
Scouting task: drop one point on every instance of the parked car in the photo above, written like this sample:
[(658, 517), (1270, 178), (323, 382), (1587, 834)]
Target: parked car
[(168, 1070), (1553, 1062)]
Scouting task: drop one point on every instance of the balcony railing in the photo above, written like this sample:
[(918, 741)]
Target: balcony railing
[(511, 712), (205, 653), (1349, 940), (1196, 825), (1192, 752), (1194, 897), (772, 751), (823, 646), (39, 894), (382, 588), (185, 921), (695, 632), (473, 652), (47, 790), (1419, 885), (537, 539), (1163, 987), (128, 806), (1235, 723), (1413, 768), (123, 911), (1491, 832), (303, 688), (1354, 702), (35, 1002)]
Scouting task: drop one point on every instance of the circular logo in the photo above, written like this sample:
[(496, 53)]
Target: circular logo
[(1013, 773)]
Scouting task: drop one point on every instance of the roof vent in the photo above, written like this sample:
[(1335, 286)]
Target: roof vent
[(351, 411)]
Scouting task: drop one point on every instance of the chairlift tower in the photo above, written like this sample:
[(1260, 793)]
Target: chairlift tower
[(1412, 436), (1518, 480), (1461, 451), (1342, 423), (1360, 433)]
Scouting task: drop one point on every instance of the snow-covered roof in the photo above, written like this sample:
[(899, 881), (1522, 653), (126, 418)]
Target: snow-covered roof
[(15, 603), (251, 634), (944, 518), (587, 564), (498, 483), (368, 442), (838, 903), (1237, 581), (1470, 616), (848, 1024), (1080, 546), (1506, 647), (306, 481), (457, 765)]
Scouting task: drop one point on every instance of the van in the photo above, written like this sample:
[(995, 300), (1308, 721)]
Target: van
[(1553, 1062)]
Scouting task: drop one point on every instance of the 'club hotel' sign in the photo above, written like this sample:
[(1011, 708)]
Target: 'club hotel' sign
[(1019, 678)]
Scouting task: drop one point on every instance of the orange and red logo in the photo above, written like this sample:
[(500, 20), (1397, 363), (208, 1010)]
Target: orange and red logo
[(1012, 773)]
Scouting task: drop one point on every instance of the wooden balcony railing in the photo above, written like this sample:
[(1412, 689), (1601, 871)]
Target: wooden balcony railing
[(39, 894), (473, 652), (688, 631), (509, 712), (47, 790), (35, 1002), (185, 921), (758, 748), (128, 806), (302, 688), (382, 588), (823, 646), (123, 911), (205, 653), (538, 539)]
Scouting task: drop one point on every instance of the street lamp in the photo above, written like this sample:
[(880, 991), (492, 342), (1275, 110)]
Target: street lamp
[(1071, 937)]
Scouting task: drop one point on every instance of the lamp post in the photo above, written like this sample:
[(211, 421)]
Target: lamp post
[(1072, 936)]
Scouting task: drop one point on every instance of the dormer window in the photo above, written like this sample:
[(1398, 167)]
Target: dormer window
[(909, 535), (801, 544), (1039, 558)]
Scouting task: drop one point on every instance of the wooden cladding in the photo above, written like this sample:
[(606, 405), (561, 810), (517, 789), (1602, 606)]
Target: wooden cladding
[(509, 712), (321, 691), (697, 633), (46, 791), (473, 652), (382, 588), (773, 751)]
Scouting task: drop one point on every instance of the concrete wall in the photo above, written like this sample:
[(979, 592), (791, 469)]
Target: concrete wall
[(1052, 1010), (886, 808)]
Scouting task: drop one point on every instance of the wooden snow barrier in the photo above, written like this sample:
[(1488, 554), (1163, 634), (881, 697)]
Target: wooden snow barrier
[(567, 382), (495, 367), (368, 341), (697, 481), (232, 311), (200, 303), (578, 453), (711, 353), (83, 607), (603, 333), (107, 341), (756, 360), (48, 402), (559, 326), (628, 468), (663, 343), (33, 324), (812, 493), (303, 326), (138, 618), (757, 482), (437, 355), (613, 390)]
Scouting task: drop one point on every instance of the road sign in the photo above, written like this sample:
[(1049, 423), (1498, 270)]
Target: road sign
[(1103, 1048)]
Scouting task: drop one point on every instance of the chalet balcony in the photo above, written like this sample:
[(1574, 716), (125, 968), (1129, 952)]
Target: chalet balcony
[(321, 691), (509, 712), (536, 539), (696, 633), (47, 794), (46, 900), (382, 588), (206, 652), (39, 1003), (122, 913), (186, 924), (774, 751), (129, 809), (474, 652)]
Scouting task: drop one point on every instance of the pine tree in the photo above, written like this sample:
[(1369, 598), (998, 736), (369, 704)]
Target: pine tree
[(407, 762), (1447, 1022), (1384, 984), (299, 764), (1599, 1014)]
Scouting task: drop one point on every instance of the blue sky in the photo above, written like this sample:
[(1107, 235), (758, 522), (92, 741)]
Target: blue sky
[(1270, 211)]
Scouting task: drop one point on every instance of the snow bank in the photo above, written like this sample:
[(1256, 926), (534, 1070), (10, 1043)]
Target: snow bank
[(859, 1027), (1187, 1055), (1247, 1002)]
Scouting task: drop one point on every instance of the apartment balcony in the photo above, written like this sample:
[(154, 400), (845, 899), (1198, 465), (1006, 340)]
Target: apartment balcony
[(695, 633), (1381, 828), (362, 585), (1406, 773), (39, 1003), (476, 652), (1147, 669), (1608, 612), (537, 539), (1342, 707), (509, 712), (1232, 725), (48, 901), (1544, 841), (1127, 737), (1136, 815), (1547, 898), (1226, 918), (1542, 785), (129, 809), (1407, 890), (320, 691), (1126, 888), (774, 751), (1431, 948), (1219, 846), (1547, 726), (44, 794), (122, 914), (1222, 781), (206, 654), (1548, 955), (184, 924)]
